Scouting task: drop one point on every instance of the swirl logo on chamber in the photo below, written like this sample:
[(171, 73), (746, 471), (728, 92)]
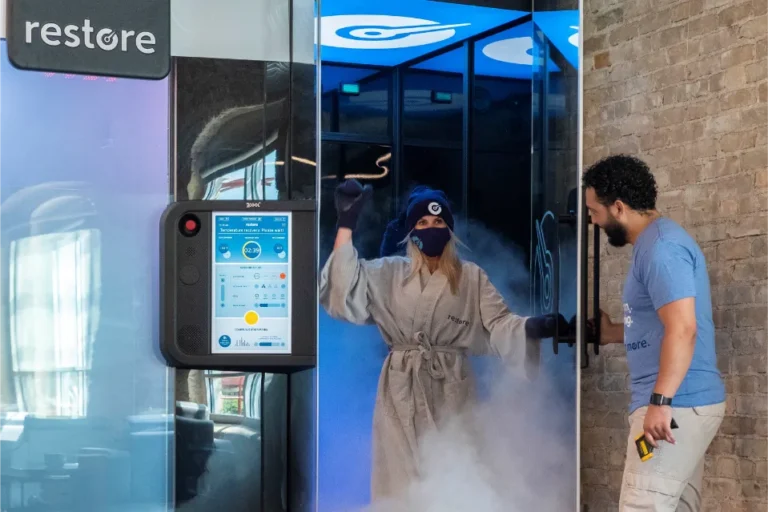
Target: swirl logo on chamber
[(519, 50), (543, 266), (383, 32)]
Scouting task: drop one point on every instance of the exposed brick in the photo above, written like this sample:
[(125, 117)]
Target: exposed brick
[(711, 4), (650, 63), (735, 249), (735, 13), (761, 48), (690, 77), (714, 43), (670, 36), (595, 44), (702, 25), (756, 71), (725, 122), (609, 18), (701, 68), (754, 116), (752, 405), (747, 226), (761, 470), (677, 53), (731, 142), (753, 28), (623, 33), (737, 56), (602, 60), (738, 99), (756, 159), (738, 426), (760, 7), (754, 488), (728, 467), (675, 115), (722, 487), (761, 180), (701, 110)]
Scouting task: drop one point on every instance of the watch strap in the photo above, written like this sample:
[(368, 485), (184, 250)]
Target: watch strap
[(659, 399)]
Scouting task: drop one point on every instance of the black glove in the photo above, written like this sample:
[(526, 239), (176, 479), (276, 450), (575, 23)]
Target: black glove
[(350, 198), (541, 327)]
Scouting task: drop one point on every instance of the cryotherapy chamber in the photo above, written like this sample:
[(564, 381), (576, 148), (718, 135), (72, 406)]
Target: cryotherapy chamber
[(483, 103)]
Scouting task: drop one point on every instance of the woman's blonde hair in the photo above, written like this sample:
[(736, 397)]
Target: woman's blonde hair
[(449, 265)]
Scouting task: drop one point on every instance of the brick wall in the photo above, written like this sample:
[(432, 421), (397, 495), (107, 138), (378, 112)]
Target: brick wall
[(682, 84)]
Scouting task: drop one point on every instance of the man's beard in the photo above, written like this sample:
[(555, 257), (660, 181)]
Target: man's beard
[(616, 233)]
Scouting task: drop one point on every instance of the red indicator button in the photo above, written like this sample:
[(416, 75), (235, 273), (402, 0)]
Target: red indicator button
[(190, 225)]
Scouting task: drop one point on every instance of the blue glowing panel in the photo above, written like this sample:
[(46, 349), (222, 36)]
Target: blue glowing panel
[(562, 29), (504, 55), (392, 32), (334, 76)]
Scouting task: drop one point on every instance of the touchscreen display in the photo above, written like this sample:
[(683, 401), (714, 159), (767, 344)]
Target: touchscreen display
[(251, 283)]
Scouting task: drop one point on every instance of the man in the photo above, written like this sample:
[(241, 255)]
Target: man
[(669, 336)]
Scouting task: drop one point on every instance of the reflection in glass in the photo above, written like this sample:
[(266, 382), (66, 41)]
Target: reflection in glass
[(55, 276), (554, 225), (85, 421), (370, 164), (254, 141), (439, 168), (434, 98), (224, 127), (499, 182), (257, 181), (356, 100)]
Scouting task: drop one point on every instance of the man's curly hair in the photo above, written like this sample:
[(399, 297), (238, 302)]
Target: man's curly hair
[(624, 178)]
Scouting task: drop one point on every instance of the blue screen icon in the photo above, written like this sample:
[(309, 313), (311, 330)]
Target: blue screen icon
[(279, 248), (225, 341), (251, 250), (223, 248)]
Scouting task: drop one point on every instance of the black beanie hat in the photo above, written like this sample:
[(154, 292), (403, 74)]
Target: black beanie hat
[(427, 201)]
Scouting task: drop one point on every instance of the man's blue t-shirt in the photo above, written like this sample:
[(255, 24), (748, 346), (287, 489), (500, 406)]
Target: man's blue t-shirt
[(668, 265)]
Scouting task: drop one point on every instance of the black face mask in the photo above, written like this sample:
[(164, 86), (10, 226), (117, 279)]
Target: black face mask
[(431, 241), (616, 233)]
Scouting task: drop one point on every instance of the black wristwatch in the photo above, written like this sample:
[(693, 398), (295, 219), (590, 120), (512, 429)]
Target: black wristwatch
[(658, 399)]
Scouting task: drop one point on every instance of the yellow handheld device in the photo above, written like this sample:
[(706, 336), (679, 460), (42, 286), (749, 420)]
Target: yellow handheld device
[(644, 448)]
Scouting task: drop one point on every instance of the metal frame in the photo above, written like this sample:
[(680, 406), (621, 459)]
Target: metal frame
[(397, 141), (396, 138)]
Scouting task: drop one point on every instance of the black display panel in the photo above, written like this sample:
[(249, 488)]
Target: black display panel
[(238, 285)]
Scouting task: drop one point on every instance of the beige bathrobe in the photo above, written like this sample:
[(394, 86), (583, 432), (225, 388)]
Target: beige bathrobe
[(426, 377)]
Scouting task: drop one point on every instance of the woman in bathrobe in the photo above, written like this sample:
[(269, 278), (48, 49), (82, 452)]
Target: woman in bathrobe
[(432, 310)]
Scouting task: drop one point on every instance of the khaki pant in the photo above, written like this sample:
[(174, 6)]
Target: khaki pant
[(671, 480)]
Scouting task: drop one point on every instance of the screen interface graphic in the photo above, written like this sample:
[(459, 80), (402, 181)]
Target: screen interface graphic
[(251, 283)]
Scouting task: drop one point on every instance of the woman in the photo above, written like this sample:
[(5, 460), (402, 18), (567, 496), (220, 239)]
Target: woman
[(432, 310)]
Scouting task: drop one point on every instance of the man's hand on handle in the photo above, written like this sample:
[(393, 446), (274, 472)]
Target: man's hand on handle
[(609, 332)]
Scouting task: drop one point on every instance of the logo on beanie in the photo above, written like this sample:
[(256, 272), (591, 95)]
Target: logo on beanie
[(434, 208)]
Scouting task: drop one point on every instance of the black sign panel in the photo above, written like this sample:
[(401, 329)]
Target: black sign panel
[(125, 38)]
